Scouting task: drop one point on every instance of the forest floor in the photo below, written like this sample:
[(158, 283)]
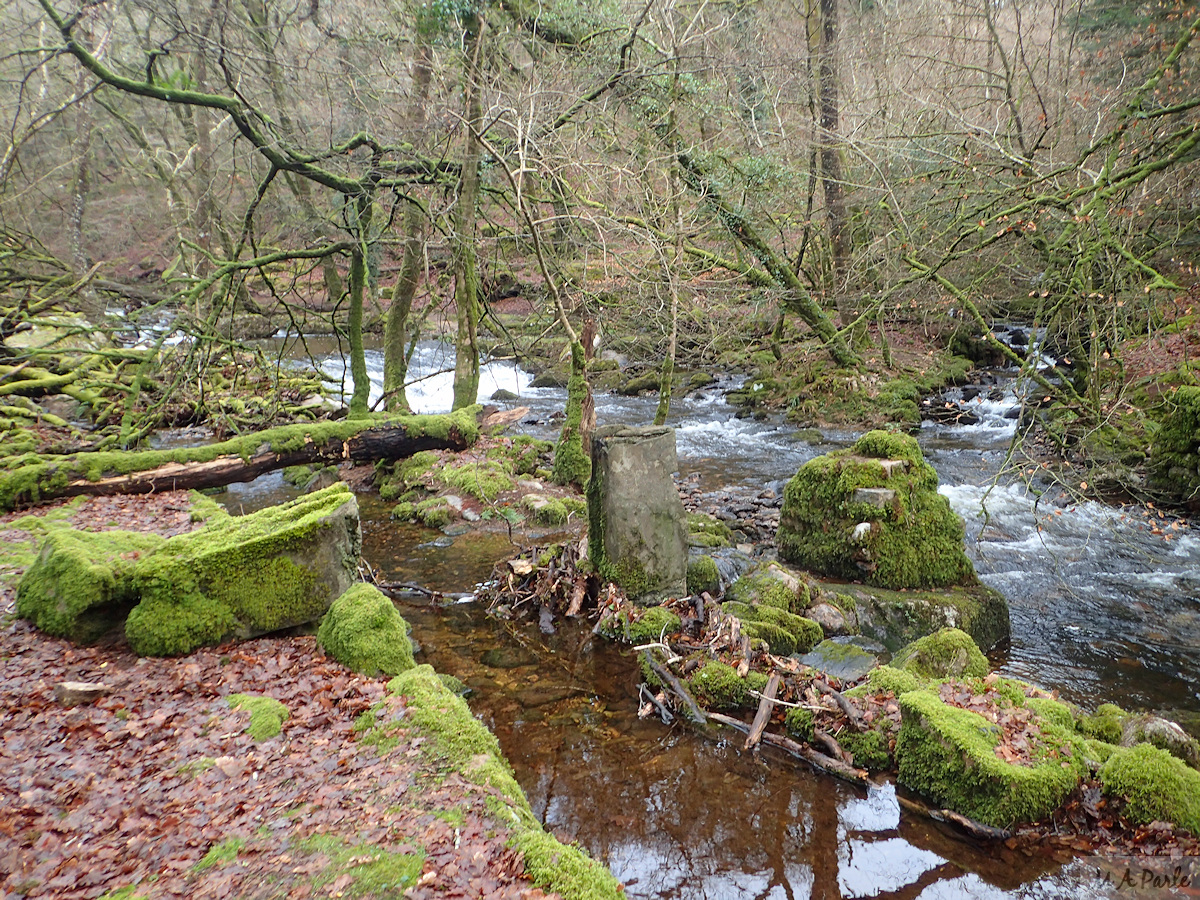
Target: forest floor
[(157, 790)]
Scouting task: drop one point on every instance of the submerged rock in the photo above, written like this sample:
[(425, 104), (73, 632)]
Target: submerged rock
[(840, 659)]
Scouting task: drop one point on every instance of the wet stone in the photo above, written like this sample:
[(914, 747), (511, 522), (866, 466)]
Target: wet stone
[(840, 659)]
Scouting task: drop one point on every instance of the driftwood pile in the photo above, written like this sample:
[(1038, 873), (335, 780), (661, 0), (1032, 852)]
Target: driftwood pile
[(551, 582)]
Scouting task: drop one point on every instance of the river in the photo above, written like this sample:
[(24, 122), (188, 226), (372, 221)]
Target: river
[(1105, 606)]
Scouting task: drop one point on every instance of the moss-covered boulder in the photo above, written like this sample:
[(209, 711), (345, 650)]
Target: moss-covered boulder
[(1155, 786), (1175, 453), (703, 575), (267, 714), (717, 685), (636, 625), (248, 575), (873, 513), (897, 618), (81, 584), (365, 632), (771, 585), (947, 653), (949, 755), (785, 633)]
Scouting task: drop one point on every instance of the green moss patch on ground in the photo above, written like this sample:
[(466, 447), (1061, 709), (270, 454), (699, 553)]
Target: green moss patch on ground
[(267, 714)]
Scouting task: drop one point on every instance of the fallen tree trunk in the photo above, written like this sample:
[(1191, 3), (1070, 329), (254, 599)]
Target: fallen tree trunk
[(28, 480)]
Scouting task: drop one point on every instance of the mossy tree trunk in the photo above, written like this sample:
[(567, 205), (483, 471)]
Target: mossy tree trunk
[(466, 275), (571, 464), (395, 334), (358, 280), (46, 478)]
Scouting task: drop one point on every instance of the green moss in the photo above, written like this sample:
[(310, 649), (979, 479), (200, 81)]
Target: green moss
[(267, 714), (948, 653), (205, 509), (718, 686), (786, 632), (1155, 786), (703, 575), (129, 892), (464, 745), (564, 869), (915, 540), (484, 480), (527, 453), (653, 624), (571, 464), (364, 632), (404, 512), (434, 512), (370, 869), (887, 679), (1175, 452), (869, 748), (766, 587), (799, 723), (245, 575), (298, 475), (948, 754), (547, 511), (28, 478), (1052, 711), (1106, 725), (220, 854), (82, 582)]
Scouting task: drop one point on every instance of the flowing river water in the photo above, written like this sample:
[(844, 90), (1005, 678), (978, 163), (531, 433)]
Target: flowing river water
[(1105, 606)]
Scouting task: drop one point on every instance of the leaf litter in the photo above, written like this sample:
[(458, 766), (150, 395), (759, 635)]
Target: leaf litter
[(136, 789)]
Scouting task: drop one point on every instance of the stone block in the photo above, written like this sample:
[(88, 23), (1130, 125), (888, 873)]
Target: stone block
[(247, 575), (637, 533)]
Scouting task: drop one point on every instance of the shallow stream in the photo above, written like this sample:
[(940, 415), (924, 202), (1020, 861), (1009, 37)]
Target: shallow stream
[(1105, 607)]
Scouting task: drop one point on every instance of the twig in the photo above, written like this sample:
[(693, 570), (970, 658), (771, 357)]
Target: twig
[(813, 757), (845, 705), (764, 713), (970, 826), (695, 713)]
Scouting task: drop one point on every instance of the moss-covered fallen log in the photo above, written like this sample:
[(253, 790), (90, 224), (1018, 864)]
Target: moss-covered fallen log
[(31, 478)]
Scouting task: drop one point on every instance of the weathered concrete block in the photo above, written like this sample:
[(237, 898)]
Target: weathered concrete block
[(637, 525), (247, 575)]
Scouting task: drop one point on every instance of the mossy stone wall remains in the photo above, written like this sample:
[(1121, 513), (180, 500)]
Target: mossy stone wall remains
[(873, 513)]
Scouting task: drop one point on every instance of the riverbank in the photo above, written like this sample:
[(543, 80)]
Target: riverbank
[(173, 783)]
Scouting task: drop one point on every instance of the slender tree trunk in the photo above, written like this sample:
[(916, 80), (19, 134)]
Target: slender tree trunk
[(395, 334), (831, 163), (466, 276), (358, 278)]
